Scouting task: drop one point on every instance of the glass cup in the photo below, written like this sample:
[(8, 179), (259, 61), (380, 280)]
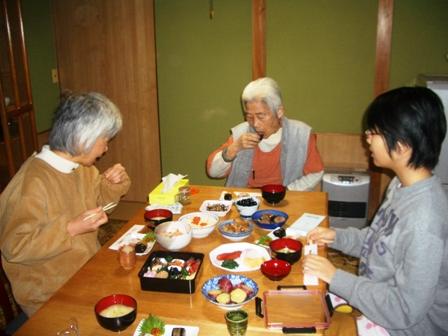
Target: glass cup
[(127, 257), (236, 321), (71, 330), (183, 196)]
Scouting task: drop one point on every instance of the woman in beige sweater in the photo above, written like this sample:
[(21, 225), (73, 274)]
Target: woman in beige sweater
[(45, 236)]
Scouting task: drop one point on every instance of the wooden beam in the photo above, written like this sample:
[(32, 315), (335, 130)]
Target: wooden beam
[(258, 38), (383, 45), (379, 179)]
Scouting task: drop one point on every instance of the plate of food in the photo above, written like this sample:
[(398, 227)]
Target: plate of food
[(239, 257), (153, 325), (230, 291), (216, 207), (229, 196), (143, 241), (279, 233)]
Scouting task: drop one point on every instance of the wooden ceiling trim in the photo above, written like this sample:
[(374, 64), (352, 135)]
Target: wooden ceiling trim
[(258, 38)]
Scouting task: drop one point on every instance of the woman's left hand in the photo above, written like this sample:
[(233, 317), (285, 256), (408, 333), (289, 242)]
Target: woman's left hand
[(116, 174), (319, 266)]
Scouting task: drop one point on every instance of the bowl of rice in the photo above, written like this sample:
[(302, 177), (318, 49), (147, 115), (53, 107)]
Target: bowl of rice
[(173, 235)]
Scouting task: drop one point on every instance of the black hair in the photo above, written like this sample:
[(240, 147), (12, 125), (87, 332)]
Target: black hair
[(414, 117)]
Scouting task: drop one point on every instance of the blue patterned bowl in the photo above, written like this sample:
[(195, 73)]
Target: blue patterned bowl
[(270, 219), (237, 281)]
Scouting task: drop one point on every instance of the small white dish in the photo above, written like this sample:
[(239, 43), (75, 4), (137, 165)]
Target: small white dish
[(290, 233), (132, 237), (207, 206), (189, 330)]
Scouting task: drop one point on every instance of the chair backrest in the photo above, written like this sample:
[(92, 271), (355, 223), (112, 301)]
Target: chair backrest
[(7, 304)]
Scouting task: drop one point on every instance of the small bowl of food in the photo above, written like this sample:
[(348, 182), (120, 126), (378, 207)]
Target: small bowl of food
[(202, 223), (116, 312), (155, 217), (270, 219), (247, 205), (273, 193), (236, 229), (275, 269), (286, 249), (229, 291), (173, 235)]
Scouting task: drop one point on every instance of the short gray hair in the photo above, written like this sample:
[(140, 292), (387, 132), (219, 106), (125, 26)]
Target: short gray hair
[(81, 119), (265, 90)]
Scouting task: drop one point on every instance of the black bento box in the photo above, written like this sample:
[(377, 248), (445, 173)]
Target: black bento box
[(169, 284)]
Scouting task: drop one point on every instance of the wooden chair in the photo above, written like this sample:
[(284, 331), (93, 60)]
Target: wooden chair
[(8, 306)]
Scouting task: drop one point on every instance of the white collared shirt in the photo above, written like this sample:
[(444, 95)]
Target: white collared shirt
[(57, 162)]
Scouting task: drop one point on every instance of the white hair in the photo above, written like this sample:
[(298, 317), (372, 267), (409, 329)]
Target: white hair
[(80, 120), (263, 89)]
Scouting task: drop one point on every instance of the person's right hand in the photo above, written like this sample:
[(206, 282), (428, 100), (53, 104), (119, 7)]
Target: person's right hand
[(245, 141), (88, 221), (321, 235)]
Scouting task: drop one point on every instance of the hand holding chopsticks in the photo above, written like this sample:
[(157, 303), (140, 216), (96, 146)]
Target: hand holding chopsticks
[(108, 206)]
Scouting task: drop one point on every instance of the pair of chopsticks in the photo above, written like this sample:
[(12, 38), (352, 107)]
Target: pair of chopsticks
[(108, 206)]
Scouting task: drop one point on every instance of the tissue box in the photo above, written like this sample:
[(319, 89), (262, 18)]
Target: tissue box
[(157, 196)]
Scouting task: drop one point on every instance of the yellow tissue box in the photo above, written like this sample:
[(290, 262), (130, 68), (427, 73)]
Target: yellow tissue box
[(157, 196)]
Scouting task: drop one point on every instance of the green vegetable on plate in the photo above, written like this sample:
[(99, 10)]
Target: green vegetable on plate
[(264, 240), (153, 326), (230, 264)]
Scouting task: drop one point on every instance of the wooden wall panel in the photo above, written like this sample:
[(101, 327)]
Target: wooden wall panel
[(341, 151), (108, 46)]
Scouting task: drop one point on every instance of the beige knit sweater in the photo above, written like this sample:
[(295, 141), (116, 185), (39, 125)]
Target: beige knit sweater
[(38, 254)]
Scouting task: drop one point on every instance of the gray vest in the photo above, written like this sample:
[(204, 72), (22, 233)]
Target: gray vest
[(295, 136)]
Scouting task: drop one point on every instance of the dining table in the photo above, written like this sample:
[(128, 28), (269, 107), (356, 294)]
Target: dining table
[(102, 275)]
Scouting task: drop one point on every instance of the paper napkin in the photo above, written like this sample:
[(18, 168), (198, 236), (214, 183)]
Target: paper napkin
[(306, 223), (170, 180)]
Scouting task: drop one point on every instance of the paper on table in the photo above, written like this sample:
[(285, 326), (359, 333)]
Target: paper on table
[(170, 180), (308, 279), (175, 208), (306, 223)]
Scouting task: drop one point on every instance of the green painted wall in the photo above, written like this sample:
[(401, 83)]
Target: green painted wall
[(419, 40), (202, 65), (321, 52), (38, 27)]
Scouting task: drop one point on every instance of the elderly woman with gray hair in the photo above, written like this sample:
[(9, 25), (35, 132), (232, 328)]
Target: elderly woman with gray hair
[(267, 148), (52, 208)]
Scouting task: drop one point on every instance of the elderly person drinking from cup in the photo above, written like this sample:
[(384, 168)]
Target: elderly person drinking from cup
[(51, 209), (267, 148)]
